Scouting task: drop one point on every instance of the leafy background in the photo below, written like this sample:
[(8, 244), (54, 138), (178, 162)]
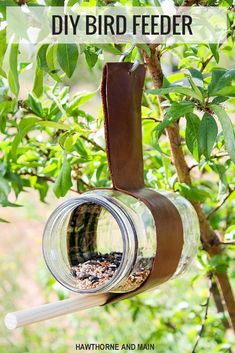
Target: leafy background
[(52, 143)]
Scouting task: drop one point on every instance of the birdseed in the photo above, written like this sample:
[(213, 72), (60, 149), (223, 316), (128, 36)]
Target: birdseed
[(96, 271), (100, 269)]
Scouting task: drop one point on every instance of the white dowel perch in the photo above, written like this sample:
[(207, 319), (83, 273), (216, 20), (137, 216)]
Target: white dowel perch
[(50, 311)]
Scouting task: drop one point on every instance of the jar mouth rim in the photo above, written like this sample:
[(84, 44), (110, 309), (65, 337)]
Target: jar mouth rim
[(127, 230)]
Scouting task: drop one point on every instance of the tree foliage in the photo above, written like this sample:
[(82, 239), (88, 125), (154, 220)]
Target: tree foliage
[(50, 139)]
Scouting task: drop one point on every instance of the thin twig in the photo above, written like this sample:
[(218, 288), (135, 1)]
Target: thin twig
[(203, 324), (44, 177), (193, 166), (205, 63), (84, 183), (228, 242), (217, 156), (220, 204), (92, 143), (152, 118)]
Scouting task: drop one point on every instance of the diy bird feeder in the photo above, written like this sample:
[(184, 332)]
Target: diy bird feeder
[(115, 243), (127, 239)]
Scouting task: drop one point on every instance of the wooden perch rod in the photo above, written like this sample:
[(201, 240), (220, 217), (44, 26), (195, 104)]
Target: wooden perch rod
[(53, 310)]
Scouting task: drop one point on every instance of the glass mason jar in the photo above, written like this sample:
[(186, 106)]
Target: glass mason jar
[(105, 241)]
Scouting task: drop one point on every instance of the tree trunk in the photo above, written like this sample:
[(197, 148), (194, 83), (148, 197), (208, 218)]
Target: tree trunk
[(209, 238)]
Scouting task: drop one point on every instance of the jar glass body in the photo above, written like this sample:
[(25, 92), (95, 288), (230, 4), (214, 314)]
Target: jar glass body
[(120, 231), (191, 230), (114, 232)]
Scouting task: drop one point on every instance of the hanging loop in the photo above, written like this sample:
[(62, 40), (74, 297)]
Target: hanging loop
[(121, 94), (127, 52), (134, 66)]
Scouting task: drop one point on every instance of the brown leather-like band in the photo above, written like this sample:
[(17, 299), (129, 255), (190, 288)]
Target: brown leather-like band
[(121, 95)]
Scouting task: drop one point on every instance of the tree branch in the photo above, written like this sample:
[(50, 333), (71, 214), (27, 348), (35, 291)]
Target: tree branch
[(228, 242), (44, 177), (203, 324), (220, 205), (218, 303), (152, 118)]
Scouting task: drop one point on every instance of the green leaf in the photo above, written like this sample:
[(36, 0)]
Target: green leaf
[(191, 134), (49, 168), (79, 100), (69, 143), (145, 47), (218, 100), (223, 183), (3, 48), (186, 91), (195, 88), (91, 56), (38, 82), (3, 123), (207, 132), (227, 91), (220, 262), (25, 126), (193, 193), (42, 187), (80, 148), (4, 192), (67, 55), (4, 186), (63, 182), (196, 74), (102, 167), (54, 124), (110, 48), (35, 105), (228, 131), (13, 76), (51, 62), (214, 51), (41, 57), (16, 182), (136, 3), (221, 83), (62, 138), (2, 72), (173, 113), (179, 109)]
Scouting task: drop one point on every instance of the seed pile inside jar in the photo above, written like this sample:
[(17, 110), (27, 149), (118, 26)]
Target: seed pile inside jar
[(138, 275), (96, 271), (100, 268)]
